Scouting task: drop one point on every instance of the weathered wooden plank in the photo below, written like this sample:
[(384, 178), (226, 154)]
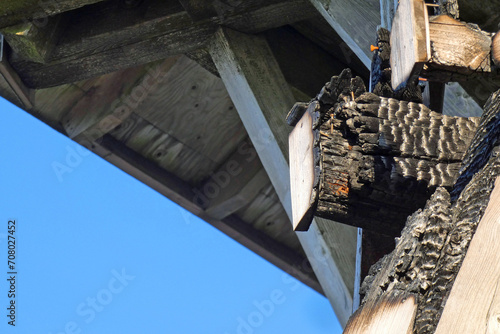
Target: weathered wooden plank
[(163, 149), (304, 65), (18, 11), (457, 48), (182, 193), (474, 302), (228, 189), (388, 315), (14, 88), (355, 22), (190, 98), (34, 43), (262, 99), (158, 29), (410, 44)]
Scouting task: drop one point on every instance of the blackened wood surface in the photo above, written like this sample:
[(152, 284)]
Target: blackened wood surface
[(433, 244), (378, 159)]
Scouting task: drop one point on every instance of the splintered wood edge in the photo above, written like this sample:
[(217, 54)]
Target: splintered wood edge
[(301, 142), (474, 302), (387, 314), (410, 43)]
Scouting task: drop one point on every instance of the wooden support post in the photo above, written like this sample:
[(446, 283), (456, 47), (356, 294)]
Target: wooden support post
[(11, 85), (262, 98), (35, 43), (431, 250), (356, 23), (371, 161), (157, 29)]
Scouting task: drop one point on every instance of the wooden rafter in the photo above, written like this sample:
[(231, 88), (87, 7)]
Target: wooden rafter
[(129, 37)]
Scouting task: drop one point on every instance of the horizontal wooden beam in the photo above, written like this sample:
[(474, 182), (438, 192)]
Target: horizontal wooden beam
[(262, 98), (183, 194), (11, 86), (35, 43), (157, 29), (239, 179), (18, 11)]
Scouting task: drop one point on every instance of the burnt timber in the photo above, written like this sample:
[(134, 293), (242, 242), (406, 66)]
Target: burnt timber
[(103, 56), (373, 160)]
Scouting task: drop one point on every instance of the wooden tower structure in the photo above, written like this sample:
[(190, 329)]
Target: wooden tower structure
[(190, 97)]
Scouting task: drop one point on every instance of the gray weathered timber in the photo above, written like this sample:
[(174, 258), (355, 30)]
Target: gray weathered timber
[(458, 50), (355, 22), (18, 11), (434, 243), (376, 160), (11, 85), (262, 98), (35, 43), (157, 29)]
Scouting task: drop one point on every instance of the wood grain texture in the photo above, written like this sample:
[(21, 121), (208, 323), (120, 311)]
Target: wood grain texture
[(15, 89), (388, 315), (409, 41), (18, 11), (434, 242), (372, 161), (458, 48), (474, 302), (189, 97), (123, 37), (302, 172), (262, 98)]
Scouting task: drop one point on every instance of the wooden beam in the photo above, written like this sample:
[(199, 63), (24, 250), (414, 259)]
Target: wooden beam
[(121, 38), (373, 161), (100, 111), (239, 186), (18, 11), (35, 43), (474, 302), (410, 43), (262, 98), (12, 87), (388, 315), (182, 193), (355, 22)]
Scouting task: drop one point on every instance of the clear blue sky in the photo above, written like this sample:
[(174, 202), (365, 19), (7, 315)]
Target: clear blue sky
[(99, 252)]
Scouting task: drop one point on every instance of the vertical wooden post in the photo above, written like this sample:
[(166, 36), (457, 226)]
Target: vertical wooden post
[(262, 98)]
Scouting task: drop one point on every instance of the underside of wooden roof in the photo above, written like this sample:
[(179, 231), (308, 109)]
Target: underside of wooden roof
[(136, 82)]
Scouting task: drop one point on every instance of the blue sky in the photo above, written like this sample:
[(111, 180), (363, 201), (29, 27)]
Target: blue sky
[(99, 252)]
